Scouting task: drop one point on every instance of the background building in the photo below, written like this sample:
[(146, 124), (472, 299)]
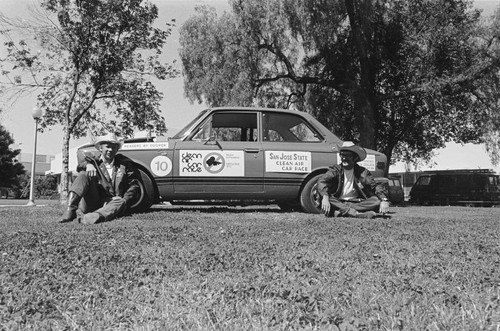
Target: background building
[(43, 161), (55, 168), (42, 165)]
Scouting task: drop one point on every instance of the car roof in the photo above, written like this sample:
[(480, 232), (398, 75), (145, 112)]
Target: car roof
[(260, 109), (253, 108)]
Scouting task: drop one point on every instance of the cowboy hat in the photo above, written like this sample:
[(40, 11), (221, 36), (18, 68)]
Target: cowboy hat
[(351, 147), (110, 138)]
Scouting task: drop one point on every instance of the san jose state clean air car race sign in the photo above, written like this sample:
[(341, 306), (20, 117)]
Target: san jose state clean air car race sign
[(277, 161)]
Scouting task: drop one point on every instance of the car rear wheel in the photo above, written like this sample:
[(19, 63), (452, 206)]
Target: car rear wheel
[(146, 193), (310, 199)]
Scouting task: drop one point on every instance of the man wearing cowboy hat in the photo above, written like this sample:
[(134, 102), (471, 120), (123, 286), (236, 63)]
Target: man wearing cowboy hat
[(348, 189), (107, 186)]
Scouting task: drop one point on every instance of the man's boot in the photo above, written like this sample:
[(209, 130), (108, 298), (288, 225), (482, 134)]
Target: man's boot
[(92, 218), (354, 213), (70, 213), (351, 213)]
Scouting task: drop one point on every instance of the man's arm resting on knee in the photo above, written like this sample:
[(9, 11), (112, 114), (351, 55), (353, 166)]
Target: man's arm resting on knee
[(91, 170)]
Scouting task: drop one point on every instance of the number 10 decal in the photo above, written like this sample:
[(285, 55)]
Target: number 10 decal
[(161, 166)]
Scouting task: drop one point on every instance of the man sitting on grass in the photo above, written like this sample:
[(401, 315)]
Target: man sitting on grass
[(107, 186), (349, 190)]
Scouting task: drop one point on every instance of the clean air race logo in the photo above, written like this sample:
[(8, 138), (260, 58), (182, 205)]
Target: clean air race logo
[(214, 163), (210, 163)]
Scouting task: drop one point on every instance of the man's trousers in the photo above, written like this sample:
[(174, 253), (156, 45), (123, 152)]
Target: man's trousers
[(343, 206), (94, 199)]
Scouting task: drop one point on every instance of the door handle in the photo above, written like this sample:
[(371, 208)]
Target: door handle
[(251, 150)]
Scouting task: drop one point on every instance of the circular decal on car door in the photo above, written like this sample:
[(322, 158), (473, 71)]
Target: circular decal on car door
[(161, 166), (214, 163)]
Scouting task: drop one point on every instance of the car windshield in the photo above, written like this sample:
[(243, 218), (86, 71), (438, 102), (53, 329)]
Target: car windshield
[(181, 134)]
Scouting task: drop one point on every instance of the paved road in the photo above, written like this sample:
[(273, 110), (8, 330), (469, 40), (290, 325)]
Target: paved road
[(23, 202)]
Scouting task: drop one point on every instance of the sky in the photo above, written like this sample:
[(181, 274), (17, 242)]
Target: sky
[(178, 111)]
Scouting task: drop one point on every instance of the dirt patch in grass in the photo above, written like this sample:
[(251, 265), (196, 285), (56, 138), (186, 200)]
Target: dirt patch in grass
[(427, 268)]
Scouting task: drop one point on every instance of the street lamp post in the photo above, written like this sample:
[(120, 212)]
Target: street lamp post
[(37, 114)]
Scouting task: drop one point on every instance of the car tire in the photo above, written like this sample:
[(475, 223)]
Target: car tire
[(310, 199), (146, 193)]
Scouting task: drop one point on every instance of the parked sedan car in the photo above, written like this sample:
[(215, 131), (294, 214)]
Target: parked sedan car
[(242, 155)]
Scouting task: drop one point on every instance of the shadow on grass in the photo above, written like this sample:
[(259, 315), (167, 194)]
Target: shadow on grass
[(234, 209), (216, 209)]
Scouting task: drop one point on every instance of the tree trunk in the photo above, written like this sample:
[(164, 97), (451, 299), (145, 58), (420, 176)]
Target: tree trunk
[(65, 167), (388, 153), (366, 114), (359, 13)]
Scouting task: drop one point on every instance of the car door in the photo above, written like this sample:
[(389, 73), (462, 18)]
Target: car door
[(293, 149), (221, 159)]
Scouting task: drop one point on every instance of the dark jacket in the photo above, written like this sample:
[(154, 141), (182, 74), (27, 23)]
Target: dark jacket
[(125, 181), (332, 182)]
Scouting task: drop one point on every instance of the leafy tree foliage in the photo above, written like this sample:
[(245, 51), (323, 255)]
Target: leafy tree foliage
[(96, 69), (487, 89), (10, 169), (397, 76), (44, 187)]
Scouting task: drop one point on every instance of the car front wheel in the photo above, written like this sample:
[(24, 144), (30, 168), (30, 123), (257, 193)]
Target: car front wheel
[(310, 199), (146, 193)]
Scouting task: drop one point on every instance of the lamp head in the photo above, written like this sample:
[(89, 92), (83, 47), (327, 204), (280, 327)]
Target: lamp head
[(36, 113)]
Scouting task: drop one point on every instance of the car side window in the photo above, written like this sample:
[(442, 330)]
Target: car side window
[(272, 135), (424, 180), (493, 180), (203, 132), (284, 127), (229, 126)]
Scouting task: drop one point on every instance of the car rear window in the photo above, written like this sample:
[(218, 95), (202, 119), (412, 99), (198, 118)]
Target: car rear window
[(287, 128)]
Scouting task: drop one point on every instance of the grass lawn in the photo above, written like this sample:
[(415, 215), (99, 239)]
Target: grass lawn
[(427, 268)]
